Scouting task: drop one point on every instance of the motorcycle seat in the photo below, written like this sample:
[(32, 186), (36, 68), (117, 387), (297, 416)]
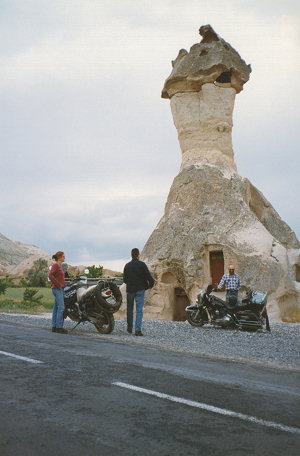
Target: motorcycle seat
[(83, 293), (241, 305), (222, 302)]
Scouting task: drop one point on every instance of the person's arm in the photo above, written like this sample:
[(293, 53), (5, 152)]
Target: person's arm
[(125, 274), (149, 277), (222, 282), (52, 276)]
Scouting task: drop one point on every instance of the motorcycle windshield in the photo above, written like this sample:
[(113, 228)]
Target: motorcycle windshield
[(258, 297)]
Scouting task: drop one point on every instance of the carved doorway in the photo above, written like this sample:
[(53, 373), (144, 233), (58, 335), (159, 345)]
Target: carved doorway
[(180, 303), (216, 260)]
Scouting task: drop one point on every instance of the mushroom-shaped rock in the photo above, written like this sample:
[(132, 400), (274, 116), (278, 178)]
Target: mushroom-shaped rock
[(212, 60)]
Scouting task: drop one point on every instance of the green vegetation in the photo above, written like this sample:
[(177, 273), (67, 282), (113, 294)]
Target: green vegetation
[(38, 275), (95, 271), (13, 301), (3, 286), (31, 297)]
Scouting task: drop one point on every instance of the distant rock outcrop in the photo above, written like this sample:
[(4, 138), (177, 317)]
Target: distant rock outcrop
[(15, 257), (213, 216)]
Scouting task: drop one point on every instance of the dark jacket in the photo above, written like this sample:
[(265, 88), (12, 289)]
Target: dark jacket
[(137, 277)]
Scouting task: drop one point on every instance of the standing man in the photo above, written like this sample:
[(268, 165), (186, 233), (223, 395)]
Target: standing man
[(137, 277), (232, 283)]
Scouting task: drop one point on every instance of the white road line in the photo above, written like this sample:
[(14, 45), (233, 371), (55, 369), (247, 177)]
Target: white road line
[(210, 408), (23, 358)]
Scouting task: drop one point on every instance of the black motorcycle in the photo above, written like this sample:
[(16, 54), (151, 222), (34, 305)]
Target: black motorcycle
[(250, 314), (96, 303)]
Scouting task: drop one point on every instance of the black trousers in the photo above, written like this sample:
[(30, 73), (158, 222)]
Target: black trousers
[(232, 296)]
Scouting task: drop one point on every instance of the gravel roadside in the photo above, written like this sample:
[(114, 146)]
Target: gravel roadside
[(280, 348)]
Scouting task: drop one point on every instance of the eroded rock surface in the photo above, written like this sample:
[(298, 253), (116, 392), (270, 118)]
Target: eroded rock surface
[(210, 211), (213, 215), (211, 60)]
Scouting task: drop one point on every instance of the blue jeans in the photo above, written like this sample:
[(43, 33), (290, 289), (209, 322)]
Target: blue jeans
[(138, 296), (58, 308)]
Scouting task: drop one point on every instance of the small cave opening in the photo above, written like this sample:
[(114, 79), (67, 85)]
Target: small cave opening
[(181, 300), (224, 78), (203, 52)]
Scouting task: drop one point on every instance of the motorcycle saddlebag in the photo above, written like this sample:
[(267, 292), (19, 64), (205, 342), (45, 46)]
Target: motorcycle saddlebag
[(258, 300), (248, 320)]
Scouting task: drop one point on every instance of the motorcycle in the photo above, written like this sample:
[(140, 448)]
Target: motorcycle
[(96, 303), (250, 314)]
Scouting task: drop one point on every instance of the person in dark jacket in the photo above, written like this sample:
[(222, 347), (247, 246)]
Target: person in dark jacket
[(57, 277), (137, 277)]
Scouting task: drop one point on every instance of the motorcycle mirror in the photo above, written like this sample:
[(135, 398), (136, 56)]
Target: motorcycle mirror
[(209, 289), (86, 271)]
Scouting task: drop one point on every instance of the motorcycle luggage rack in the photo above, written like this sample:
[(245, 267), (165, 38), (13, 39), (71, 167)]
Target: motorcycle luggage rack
[(94, 280)]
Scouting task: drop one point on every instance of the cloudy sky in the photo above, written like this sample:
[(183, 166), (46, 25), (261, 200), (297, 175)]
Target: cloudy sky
[(88, 147)]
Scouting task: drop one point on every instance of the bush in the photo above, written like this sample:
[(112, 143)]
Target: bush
[(24, 283), (9, 281), (95, 271), (31, 298), (38, 275), (3, 286), (7, 305)]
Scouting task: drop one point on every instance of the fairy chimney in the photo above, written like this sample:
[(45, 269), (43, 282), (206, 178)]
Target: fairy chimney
[(213, 216)]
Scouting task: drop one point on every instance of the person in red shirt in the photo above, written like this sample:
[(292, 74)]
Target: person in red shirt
[(57, 277)]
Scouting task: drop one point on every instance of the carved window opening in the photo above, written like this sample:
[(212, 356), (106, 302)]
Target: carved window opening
[(168, 277), (224, 78)]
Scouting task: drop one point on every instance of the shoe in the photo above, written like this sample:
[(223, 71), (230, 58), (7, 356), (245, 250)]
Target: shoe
[(139, 333), (53, 329), (61, 330), (129, 330)]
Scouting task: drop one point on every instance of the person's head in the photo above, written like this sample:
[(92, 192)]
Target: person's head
[(135, 253), (231, 269), (59, 256)]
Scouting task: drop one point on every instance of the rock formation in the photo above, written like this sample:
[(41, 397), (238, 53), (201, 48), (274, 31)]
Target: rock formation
[(16, 258), (213, 216)]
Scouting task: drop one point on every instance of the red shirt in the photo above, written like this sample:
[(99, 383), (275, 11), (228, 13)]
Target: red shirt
[(57, 277)]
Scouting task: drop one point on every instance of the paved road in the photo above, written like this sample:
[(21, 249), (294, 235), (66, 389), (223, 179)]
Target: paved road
[(93, 397)]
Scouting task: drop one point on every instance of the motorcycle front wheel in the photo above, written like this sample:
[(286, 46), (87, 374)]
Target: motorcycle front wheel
[(194, 318), (105, 323)]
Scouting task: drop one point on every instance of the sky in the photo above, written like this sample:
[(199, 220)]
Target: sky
[(88, 146)]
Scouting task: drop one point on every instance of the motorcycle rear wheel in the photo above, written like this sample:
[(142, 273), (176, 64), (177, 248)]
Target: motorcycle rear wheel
[(193, 319), (105, 324)]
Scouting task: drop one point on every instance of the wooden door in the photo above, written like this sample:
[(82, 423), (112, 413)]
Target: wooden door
[(217, 267)]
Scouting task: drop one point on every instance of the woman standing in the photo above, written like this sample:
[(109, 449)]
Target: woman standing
[(57, 278)]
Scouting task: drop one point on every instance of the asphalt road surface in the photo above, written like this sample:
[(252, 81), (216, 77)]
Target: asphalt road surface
[(77, 395)]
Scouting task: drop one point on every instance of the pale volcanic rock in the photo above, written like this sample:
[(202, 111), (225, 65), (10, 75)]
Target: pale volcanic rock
[(210, 207)]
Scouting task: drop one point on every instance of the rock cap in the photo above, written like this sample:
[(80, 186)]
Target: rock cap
[(212, 60)]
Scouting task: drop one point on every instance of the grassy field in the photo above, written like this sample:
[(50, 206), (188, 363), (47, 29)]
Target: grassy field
[(12, 301)]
